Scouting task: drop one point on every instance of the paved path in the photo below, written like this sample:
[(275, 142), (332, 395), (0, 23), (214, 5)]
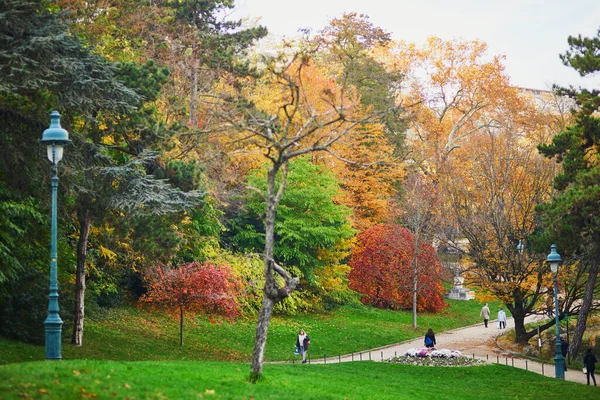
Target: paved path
[(475, 340)]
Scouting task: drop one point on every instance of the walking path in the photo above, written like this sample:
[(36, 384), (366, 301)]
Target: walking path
[(475, 340)]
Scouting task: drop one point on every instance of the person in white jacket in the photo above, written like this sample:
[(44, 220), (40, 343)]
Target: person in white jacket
[(501, 319)]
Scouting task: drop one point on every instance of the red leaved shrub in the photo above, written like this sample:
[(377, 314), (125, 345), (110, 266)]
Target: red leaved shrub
[(382, 270)]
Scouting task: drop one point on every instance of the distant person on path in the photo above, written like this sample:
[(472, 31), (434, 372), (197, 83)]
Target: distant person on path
[(430, 339), (501, 319), (302, 343), (564, 349), (485, 313), (589, 362)]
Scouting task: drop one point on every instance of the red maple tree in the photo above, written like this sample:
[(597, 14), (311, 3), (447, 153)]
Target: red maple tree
[(382, 270), (204, 289)]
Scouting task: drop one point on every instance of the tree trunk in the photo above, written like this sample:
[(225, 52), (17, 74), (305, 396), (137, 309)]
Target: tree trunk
[(181, 326), (260, 340), (415, 289), (586, 304), (521, 335), (79, 312), (519, 312), (272, 294), (194, 88)]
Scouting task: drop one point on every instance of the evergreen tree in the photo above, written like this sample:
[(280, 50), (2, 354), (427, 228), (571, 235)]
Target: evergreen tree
[(573, 216)]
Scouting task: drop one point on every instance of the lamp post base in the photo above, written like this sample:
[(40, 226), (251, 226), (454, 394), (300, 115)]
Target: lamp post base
[(53, 338), (559, 366)]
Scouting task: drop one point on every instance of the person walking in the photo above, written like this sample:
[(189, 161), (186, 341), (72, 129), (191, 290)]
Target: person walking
[(564, 349), (589, 362), (302, 344), (430, 339), (485, 313), (501, 319)]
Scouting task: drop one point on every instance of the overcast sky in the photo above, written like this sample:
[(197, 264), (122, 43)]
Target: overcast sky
[(530, 33)]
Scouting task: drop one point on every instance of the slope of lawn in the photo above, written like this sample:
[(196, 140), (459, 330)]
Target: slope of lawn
[(130, 334), (211, 380)]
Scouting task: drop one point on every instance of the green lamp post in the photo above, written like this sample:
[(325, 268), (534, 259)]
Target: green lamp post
[(559, 360), (55, 138)]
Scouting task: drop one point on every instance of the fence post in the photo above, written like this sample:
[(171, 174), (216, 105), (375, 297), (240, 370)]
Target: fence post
[(352, 356), (339, 358), (542, 369), (513, 361), (382, 356), (361, 356), (497, 359), (369, 356), (487, 357), (526, 369)]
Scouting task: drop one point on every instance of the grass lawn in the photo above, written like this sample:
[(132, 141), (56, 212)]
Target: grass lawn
[(212, 380), (129, 334)]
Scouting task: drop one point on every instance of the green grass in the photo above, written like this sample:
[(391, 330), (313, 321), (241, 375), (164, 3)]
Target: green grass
[(210, 380), (175, 372), (129, 334)]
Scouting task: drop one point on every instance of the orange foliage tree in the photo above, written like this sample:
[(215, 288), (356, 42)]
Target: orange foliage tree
[(382, 263), (205, 289), (454, 87), (493, 197), (345, 52)]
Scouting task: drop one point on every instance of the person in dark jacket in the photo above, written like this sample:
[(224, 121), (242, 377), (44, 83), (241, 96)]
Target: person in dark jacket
[(430, 339), (564, 349), (589, 361), (302, 343)]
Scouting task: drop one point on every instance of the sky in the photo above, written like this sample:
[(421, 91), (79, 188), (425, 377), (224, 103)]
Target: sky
[(529, 33)]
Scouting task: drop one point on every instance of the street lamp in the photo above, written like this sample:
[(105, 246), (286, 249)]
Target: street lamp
[(559, 361), (520, 247), (55, 138)]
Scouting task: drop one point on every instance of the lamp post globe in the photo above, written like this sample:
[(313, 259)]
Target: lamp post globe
[(520, 247), (554, 260), (55, 138)]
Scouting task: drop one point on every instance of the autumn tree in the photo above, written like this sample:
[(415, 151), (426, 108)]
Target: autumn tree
[(493, 196), (347, 47), (454, 87), (420, 207), (572, 214), (115, 170), (291, 111), (382, 264), (207, 43), (204, 289)]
